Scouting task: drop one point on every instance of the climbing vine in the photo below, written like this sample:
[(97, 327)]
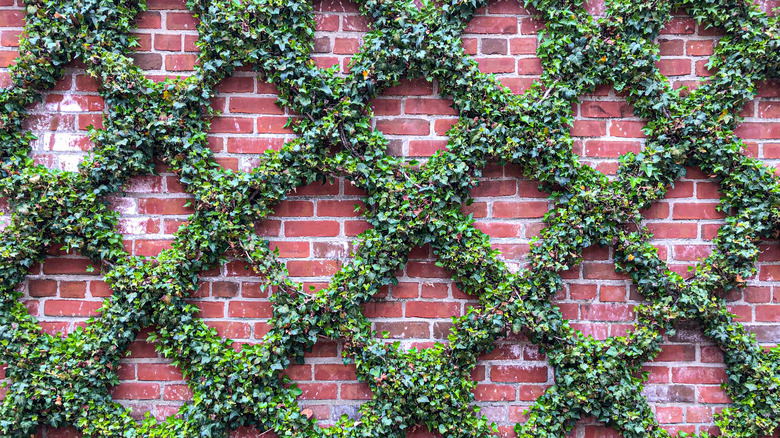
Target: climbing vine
[(66, 380)]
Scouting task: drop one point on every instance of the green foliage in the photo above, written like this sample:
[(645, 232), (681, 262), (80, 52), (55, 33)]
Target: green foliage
[(66, 380)]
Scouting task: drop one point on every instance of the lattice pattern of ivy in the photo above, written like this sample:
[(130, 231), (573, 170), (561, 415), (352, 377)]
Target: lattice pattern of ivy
[(65, 381)]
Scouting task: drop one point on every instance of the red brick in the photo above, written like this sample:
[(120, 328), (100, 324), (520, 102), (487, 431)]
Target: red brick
[(768, 313), (181, 21), (589, 128), (612, 293), (676, 353), (334, 372), (529, 66), (386, 107), (73, 289), (346, 46), (232, 125), (696, 211), (382, 309), (316, 268), (157, 371), (232, 330), (609, 109), (494, 392), (770, 110), (356, 23), (522, 46), (292, 249), (71, 308), (698, 414), (627, 128), (164, 206), (170, 43), (503, 352), (685, 26), (311, 228), (210, 309), (12, 18), (674, 67), (339, 208), (177, 392), (691, 252), (318, 391), (254, 105), (404, 330), (136, 391), (326, 23), (401, 126), (669, 414), (417, 105), (414, 87), (288, 208), (273, 125), (518, 373), (184, 62), (671, 47), (673, 230), (151, 248), (8, 58), (69, 266), (426, 270), (42, 288), (429, 309), (492, 25), (99, 289), (496, 65), (702, 70), (249, 309), (495, 188), (508, 7), (498, 229), (519, 209), (86, 83), (237, 84), (166, 4), (224, 289), (698, 375), (582, 291), (608, 148), (426, 148), (355, 391), (253, 145), (700, 47), (607, 312), (494, 46), (150, 20), (530, 26), (713, 394)]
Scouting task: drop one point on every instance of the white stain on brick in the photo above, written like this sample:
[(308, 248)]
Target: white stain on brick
[(123, 205), (65, 142), (70, 163), (132, 225), (143, 185), (67, 104)]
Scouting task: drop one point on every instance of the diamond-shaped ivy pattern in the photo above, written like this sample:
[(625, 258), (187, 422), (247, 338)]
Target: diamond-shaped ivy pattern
[(65, 381)]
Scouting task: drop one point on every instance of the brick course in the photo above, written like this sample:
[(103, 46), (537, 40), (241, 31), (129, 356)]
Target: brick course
[(315, 228)]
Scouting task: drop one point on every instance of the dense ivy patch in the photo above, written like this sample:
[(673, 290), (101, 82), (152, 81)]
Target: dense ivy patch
[(66, 380)]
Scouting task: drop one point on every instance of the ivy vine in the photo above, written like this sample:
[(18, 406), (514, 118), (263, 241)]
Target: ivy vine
[(66, 380)]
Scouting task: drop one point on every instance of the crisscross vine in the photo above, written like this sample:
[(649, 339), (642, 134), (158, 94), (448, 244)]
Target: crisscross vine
[(66, 380)]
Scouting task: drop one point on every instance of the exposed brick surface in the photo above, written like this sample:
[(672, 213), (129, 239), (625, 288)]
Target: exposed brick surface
[(314, 229)]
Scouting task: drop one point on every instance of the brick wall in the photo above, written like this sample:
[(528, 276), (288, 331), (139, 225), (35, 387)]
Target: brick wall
[(316, 226)]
